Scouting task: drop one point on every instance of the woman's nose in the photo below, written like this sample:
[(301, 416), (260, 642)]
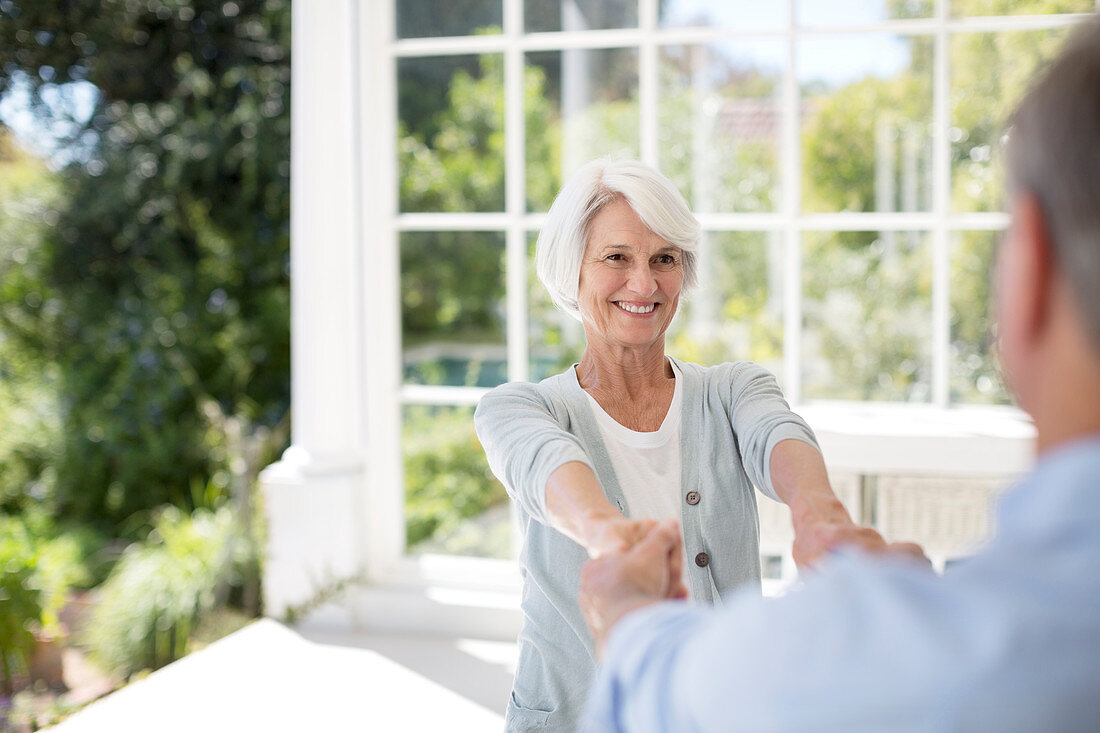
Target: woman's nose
[(642, 280)]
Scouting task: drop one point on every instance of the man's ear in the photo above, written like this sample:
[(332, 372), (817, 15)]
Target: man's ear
[(1034, 277)]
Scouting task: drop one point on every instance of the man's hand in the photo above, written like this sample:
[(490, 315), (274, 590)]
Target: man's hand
[(614, 584)]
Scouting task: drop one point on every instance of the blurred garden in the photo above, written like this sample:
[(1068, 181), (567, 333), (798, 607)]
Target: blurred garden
[(144, 337)]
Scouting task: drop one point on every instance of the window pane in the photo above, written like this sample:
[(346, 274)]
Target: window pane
[(450, 133), (1020, 7), (581, 104), (452, 308), (866, 123), (720, 121), (737, 14), (555, 338), (989, 74), (737, 312), (867, 316), (975, 372), (426, 18), (453, 504), (860, 12), (579, 15)]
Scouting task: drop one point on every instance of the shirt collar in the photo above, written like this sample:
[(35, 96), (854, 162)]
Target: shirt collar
[(1063, 487)]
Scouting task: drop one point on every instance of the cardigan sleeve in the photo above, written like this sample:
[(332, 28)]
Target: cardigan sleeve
[(524, 442), (761, 419)]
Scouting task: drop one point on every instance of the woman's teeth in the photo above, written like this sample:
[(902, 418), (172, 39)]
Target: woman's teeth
[(637, 308)]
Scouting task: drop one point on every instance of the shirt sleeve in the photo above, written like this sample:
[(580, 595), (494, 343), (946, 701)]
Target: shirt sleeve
[(865, 644), (634, 689), (762, 419), (524, 443)]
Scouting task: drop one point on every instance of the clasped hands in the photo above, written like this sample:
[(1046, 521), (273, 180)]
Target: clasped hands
[(636, 563)]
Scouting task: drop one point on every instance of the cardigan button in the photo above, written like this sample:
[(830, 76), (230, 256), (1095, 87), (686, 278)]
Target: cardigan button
[(702, 559), (692, 497)]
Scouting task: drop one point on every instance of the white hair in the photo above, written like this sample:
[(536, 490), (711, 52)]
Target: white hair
[(564, 237)]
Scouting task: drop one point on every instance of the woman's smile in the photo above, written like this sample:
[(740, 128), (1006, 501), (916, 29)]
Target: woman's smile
[(630, 281), (637, 308)]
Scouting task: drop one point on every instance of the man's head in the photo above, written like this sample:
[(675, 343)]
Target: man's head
[(1050, 260)]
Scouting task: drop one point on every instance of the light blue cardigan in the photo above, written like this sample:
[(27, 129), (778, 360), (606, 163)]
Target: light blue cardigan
[(733, 415)]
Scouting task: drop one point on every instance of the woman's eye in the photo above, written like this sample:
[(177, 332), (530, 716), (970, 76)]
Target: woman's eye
[(665, 260)]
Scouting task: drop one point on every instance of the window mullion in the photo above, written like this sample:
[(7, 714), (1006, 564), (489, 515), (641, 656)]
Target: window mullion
[(941, 249), (792, 203), (647, 82)]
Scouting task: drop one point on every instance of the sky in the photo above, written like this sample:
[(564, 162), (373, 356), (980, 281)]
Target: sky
[(76, 100), (835, 60)]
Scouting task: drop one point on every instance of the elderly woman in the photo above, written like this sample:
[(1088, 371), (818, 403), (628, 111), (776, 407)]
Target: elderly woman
[(594, 456)]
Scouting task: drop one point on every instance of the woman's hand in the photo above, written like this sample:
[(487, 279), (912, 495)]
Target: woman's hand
[(822, 528), (615, 534), (821, 523), (579, 509)]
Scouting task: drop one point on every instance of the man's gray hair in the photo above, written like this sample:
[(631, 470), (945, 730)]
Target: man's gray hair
[(1054, 154), (564, 236)]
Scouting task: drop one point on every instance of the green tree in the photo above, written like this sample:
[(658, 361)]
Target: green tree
[(30, 430), (989, 73), (164, 262)]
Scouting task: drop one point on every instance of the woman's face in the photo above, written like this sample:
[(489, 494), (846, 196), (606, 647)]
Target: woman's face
[(630, 280)]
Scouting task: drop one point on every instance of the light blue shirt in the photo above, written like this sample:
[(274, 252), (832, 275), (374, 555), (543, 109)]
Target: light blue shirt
[(1008, 640)]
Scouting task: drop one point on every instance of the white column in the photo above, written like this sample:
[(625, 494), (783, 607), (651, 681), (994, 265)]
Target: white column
[(312, 494)]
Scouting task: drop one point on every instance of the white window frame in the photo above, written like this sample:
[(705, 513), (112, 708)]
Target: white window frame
[(413, 593)]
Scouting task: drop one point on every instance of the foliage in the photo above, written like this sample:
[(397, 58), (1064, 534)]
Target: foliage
[(163, 261), (161, 589), (868, 318), (737, 312), (30, 713), (452, 285), (328, 591), (37, 569), (982, 101), (976, 371), (839, 139), (446, 475), (882, 357), (718, 169), (30, 424), (452, 158), (21, 605)]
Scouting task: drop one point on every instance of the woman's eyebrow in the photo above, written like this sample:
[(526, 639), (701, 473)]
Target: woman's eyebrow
[(668, 248)]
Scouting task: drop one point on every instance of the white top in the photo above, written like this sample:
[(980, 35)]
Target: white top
[(646, 464)]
